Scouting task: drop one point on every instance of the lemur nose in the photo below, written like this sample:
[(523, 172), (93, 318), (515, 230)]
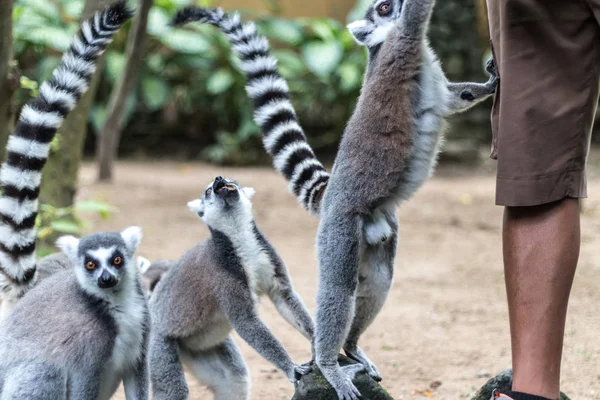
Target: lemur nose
[(106, 280), (218, 183)]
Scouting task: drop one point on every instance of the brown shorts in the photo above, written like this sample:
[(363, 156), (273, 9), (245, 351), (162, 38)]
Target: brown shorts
[(548, 57)]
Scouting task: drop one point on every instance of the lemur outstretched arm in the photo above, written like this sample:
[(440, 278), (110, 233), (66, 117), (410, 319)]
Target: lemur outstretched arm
[(281, 292), (291, 307), (240, 309), (465, 95), (415, 17)]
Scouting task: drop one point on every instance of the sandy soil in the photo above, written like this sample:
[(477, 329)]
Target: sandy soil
[(445, 319)]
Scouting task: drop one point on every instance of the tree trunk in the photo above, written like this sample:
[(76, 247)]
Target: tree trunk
[(483, 29), (108, 142), (6, 89), (59, 182)]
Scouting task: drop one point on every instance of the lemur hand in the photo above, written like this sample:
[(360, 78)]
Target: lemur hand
[(490, 67), (303, 369)]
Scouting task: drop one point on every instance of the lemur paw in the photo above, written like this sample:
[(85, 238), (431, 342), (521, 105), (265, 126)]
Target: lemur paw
[(359, 356), (340, 378), (490, 67), (301, 370)]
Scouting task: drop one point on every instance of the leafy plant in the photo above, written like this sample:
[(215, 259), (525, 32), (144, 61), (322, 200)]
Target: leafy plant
[(190, 93), (52, 221)]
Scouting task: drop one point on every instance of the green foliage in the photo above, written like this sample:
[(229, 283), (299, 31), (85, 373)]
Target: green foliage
[(190, 89), (190, 83), (52, 221)]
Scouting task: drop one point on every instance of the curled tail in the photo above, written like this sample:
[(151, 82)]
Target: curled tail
[(283, 136), (29, 145)]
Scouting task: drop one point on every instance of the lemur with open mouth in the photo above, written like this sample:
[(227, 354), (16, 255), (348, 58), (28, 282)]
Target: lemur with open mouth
[(214, 288)]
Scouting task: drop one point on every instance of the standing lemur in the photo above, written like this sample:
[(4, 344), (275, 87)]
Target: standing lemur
[(28, 148), (213, 288), (388, 150)]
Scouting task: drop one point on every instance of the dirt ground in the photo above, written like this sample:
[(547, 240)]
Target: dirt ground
[(445, 319)]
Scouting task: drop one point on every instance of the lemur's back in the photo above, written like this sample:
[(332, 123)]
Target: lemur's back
[(380, 134), (186, 290), (68, 327)]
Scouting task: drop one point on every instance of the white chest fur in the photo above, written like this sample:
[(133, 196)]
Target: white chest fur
[(128, 312), (255, 260)]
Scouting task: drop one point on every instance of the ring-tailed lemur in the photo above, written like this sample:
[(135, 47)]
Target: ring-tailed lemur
[(152, 272), (79, 333), (29, 145), (213, 288), (388, 150)]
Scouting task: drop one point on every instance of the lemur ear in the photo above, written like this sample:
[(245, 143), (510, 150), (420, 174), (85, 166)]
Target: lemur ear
[(196, 207), (132, 237), (249, 192), (68, 245), (359, 30), (143, 264)]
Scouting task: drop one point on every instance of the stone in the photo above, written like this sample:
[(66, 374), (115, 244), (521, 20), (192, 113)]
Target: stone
[(502, 381), (314, 386)]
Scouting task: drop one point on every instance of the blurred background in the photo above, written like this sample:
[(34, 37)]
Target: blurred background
[(168, 111), (182, 96)]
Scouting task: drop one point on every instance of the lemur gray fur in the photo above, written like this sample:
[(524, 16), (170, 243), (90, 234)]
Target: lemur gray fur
[(28, 148), (152, 272), (213, 288), (80, 332), (388, 150)]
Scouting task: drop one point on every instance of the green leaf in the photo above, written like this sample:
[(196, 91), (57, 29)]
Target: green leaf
[(158, 22), (115, 65), (103, 209), (351, 77), (155, 92), (54, 37), (285, 31), (98, 117), (46, 67), (289, 63), (73, 9), (220, 81), (29, 84), (64, 226), (187, 42), (322, 58), (46, 8), (323, 30)]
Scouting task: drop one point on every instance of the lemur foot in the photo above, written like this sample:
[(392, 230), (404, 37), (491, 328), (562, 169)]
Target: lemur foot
[(340, 378), (359, 356)]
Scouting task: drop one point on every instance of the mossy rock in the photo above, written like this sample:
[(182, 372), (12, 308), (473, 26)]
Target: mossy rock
[(314, 386), (502, 381)]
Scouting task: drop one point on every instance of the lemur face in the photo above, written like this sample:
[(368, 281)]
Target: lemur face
[(222, 200), (103, 261), (379, 19)]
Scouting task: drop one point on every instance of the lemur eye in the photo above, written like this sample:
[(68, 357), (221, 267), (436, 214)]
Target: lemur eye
[(384, 8), (208, 191), (90, 265), (117, 260)]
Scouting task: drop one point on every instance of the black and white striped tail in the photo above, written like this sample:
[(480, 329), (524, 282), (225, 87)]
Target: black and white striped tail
[(28, 146), (283, 136)]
